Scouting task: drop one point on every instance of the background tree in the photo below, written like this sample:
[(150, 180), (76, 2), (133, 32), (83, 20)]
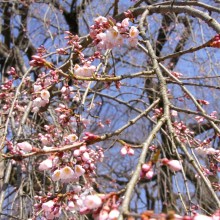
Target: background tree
[(109, 110)]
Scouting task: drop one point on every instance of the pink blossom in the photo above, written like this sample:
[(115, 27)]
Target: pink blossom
[(76, 153), (45, 95), (202, 217), (125, 22), (149, 174), (127, 150), (79, 171), (100, 19), (113, 214), (37, 87), (56, 175), (124, 151), (133, 33), (85, 156), (130, 151), (72, 138), (174, 165), (47, 206), (92, 201), (146, 167), (199, 119), (174, 113), (103, 215), (25, 146), (66, 173), (71, 206), (46, 165), (85, 71), (82, 149)]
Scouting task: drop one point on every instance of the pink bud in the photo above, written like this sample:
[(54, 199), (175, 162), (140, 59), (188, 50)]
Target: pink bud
[(174, 165), (149, 174), (124, 151), (130, 151), (85, 156), (146, 167), (76, 153)]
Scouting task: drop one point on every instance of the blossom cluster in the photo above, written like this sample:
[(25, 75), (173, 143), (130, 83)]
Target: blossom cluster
[(147, 169), (107, 34)]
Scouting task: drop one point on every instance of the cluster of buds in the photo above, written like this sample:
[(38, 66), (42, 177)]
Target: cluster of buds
[(73, 40), (12, 72), (202, 102), (41, 50), (215, 41), (200, 119), (66, 91), (147, 170), (38, 61), (107, 34), (49, 208), (127, 150), (182, 130), (19, 148), (7, 85), (176, 74), (158, 112), (65, 114), (61, 51)]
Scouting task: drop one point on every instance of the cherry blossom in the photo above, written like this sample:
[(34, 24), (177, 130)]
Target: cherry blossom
[(25, 146), (45, 95), (149, 174), (79, 171), (174, 165), (113, 214), (47, 206), (46, 164), (66, 173), (92, 201)]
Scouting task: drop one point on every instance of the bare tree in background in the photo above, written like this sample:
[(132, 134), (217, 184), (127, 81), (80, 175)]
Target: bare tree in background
[(109, 109)]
